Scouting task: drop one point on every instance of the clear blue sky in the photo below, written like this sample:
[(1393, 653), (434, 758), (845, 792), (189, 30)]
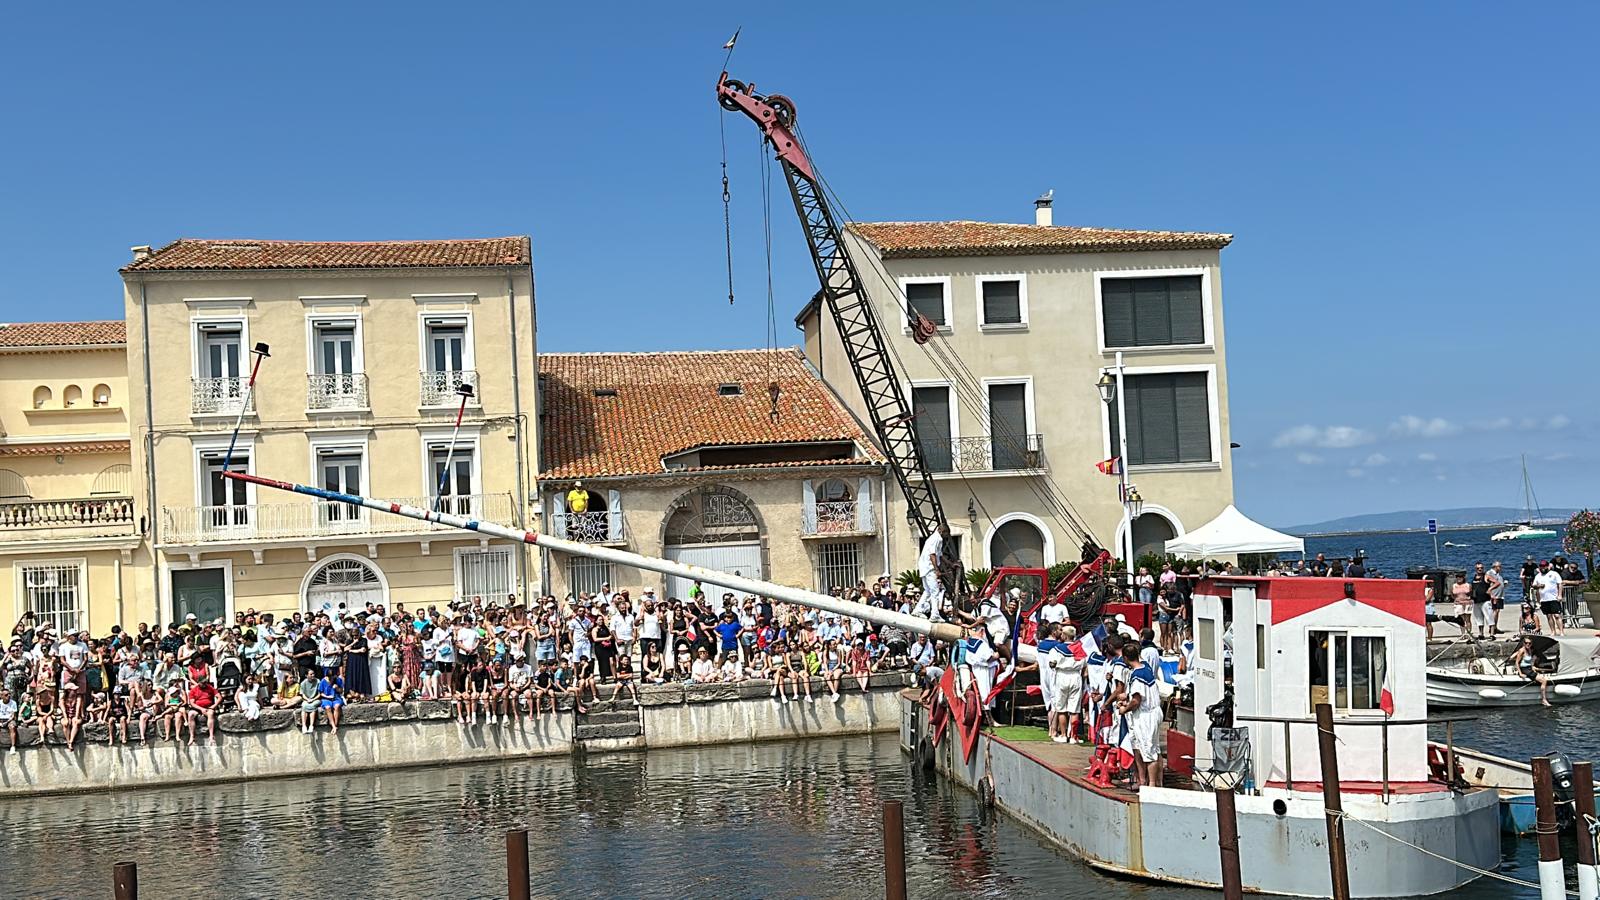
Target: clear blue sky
[(1410, 295)]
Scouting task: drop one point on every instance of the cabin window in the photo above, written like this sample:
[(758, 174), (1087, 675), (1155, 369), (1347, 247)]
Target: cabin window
[(1207, 638), (1346, 670), (1261, 647)]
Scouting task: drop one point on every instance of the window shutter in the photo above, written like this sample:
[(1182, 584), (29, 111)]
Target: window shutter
[(1002, 302), (614, 514), (864, 505), (1188, 313), (1158, 419), (1116, 304), (1193, 409), (1152, 325), (926, 298)]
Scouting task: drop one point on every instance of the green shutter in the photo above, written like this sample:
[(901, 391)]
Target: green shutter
[(1152, 312), (1002, 302), (1152, 324), (927, 298), (1116, 305), (1169, 419), (1188, 313), (1194, 417)]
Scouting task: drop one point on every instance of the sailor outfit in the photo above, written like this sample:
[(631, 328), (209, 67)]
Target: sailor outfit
[(1144, 723)]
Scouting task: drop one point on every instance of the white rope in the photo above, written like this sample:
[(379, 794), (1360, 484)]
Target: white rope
[(1487, 873)]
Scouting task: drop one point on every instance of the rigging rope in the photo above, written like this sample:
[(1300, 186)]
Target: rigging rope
[(727, 197), (1487, 873)]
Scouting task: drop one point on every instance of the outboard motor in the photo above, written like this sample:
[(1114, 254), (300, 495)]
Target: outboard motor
[(1561, 779)]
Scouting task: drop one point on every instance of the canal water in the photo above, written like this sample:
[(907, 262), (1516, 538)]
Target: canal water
[(779, 820)]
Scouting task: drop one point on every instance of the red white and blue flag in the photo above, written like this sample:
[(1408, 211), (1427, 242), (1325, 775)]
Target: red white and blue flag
[(1010, 673), (1112, 466)]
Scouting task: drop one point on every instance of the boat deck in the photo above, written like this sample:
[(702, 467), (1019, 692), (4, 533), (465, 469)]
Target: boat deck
[(1071, 761)]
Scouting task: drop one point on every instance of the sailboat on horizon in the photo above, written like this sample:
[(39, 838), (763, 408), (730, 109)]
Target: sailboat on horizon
[(1524, 530)]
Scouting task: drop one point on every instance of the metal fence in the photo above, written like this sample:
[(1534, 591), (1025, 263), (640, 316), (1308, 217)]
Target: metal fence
[(838, 565), (439, 388), (219, 396), (336, 391)]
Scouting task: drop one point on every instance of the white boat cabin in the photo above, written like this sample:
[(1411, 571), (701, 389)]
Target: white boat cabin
[(1297, 642)]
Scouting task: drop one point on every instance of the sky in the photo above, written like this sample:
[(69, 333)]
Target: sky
[(1409, 300)]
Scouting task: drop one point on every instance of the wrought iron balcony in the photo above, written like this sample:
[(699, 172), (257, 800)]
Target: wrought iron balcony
[(75, 517), (599, 527), (439, 388), (985, 453), (192, 525), (336, 391), (219, 396), (826, 517)]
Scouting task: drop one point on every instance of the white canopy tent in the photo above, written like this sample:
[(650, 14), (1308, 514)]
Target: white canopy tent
[(1233, 532)]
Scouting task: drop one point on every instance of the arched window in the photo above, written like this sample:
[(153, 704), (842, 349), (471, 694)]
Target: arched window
[(102, 395), (115, 481), (72, 396), (1151, 531), (834, 491), (711, 515), (13, 486), (1017, 543), (41, 397), (344, 583)]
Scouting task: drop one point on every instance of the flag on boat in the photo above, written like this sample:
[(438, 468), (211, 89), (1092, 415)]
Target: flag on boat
[(1112, 466), (1004, 681), (1089, 644), (733, 40), (1386, 696)]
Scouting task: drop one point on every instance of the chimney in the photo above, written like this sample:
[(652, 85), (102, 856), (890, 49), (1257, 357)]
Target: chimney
[(1041, 209), (140, 252)]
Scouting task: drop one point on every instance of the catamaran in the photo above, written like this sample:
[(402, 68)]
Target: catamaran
[(1524, 530)]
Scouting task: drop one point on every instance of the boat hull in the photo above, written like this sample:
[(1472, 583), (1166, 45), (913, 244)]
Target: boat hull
[(1461, 689)]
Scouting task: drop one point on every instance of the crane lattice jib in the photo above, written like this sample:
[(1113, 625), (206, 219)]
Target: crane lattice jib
[(847, 301)]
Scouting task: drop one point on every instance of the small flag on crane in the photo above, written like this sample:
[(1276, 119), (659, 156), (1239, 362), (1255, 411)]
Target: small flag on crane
[(733, 40), (1112, 466)]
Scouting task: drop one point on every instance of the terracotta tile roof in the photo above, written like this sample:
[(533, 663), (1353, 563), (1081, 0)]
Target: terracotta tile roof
[(917, 239), (192, 254), (667, 403), (62, 334), (65, 448)]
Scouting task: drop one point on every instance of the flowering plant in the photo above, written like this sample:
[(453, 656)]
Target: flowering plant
[(1583, 536)]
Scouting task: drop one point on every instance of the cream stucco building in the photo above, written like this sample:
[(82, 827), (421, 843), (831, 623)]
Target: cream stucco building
[(1036, 313), (369, 345), (70, 531)]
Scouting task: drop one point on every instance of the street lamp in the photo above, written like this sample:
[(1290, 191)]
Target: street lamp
[(1108, 388), (1109, 385), (1135, 503)]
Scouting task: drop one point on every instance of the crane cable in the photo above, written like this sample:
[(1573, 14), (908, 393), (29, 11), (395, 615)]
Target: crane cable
[(727, 197)]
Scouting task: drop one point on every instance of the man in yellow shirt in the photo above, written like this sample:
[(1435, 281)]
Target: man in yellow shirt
[(577, 499)]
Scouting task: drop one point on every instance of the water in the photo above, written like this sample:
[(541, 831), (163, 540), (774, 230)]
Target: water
[(794, 819), (1393, 552)]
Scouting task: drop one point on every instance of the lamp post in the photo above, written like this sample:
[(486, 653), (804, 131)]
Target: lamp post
[(1110, 388)]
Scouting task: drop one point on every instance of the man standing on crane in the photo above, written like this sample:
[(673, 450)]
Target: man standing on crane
[(930, 565)]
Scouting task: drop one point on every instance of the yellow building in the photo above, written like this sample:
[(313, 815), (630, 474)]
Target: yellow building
[(370, 345), (69, 527)]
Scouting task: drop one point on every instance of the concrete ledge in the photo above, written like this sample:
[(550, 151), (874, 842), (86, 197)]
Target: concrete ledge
[(397, 735)]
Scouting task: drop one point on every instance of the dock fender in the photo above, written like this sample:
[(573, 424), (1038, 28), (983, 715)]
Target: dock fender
[(986, 792)]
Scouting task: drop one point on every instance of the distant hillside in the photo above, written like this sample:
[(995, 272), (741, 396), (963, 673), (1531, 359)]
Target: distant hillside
[(1413, 519)]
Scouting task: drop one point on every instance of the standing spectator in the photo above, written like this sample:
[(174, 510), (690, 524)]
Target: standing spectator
[(1146, 585), (8, 716), (410, 663), (1496, 577), (74, 656), (1461, 596), (1482, 605), (649, 623), (377, 661), (622, 626), (605, 643), (1530, 571), (1547, 584)]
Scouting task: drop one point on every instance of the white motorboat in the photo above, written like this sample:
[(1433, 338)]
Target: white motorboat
[(1524, 530), (1573, 677)]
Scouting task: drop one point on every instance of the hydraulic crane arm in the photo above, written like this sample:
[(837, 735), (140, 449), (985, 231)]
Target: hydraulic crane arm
[(846, 299)]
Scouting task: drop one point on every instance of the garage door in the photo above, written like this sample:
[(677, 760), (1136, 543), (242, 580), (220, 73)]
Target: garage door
[(736, 559)]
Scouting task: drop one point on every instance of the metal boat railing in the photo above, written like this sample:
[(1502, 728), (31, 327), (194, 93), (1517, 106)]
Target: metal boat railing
[(1384, 723)]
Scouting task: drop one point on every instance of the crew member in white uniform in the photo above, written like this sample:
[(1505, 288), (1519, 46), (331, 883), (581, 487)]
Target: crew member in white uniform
[(928, 567), (1068, 682)]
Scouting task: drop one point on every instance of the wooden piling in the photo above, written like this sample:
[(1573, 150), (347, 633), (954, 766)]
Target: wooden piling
[(1583, 821), (518, 885), (125, 881), (1332, 803), (894, 850), (1552, 874), (1228, 843)]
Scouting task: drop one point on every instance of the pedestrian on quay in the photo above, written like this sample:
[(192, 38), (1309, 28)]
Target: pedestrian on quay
[(1482, 606), (1461, 596), (1497, 596), (1547, 584)]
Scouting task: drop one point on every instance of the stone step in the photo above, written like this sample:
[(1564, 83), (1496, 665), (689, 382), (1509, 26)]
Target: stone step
[(610, 717), (593, 732)]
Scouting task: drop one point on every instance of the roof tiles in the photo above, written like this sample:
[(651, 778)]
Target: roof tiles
[(188, 254), (922, 239), (22, 335), (666, 403)]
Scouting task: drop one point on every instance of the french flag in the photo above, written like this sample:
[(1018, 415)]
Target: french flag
[(1005, 678), (1386, 696), (1089, 644)]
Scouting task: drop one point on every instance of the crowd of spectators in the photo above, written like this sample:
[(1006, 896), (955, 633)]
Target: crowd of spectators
[(497, 662)]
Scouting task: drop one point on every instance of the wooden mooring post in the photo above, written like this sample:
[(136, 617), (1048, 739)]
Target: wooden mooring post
[(1552, 874), (1333, 805), (517, 883), (1228, 844), (1583, 823), (894, 850), (125, 881)]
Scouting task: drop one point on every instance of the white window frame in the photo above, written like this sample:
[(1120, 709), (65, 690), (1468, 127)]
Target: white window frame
[(197, 344), (327, 443), (1022, 303), (1213, 407), (454, 317), (955, 400), (201, 447), (1350, 712), (511, 566), (1031, 519), (20, 568), (1032, 424), (1207, 321), (468, 442), (314, 321), (904, 302)]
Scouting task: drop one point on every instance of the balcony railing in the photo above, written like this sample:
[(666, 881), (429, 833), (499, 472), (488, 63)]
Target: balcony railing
[(985, 453), (838, 517), (336, 391), (599, 527), (83, 516), (439, 388), (190, 525), (209, 396)]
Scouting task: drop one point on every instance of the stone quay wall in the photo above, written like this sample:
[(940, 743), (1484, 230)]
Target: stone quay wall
[(400, 735)]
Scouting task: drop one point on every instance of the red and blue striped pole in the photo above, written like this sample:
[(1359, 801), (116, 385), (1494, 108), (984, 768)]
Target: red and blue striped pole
[(260, 353)]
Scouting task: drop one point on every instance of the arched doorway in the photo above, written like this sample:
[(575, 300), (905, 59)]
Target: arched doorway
[(715, 527), (1021, 541), (1151, 531), (345, 581)]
